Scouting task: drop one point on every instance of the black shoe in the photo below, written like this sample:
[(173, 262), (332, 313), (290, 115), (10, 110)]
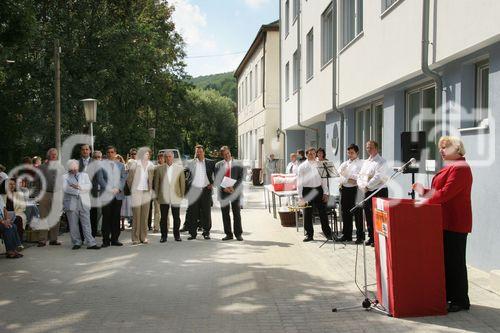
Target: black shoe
[(117, 243), (191, 237), (178, 239), (95, 247), (76, 247), (239, 238), (227, 238), (105, 245), (308, 239), (456, 307), (359, 241), (369, 242), (55, 243), (163, 239), (206, 236)]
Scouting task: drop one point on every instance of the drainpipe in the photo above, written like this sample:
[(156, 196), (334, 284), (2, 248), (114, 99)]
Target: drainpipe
[(299, 124), (432, 74), (334, 87), (279, 131)]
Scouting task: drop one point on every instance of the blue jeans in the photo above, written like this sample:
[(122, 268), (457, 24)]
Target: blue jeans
[(10, 237)]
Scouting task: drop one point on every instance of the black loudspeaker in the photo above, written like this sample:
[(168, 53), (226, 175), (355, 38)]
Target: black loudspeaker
[(412, 146)]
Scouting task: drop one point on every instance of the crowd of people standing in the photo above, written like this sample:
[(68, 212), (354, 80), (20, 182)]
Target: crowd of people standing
[(97, 195)]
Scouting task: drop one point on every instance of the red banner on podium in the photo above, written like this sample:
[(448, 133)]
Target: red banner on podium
[(409, 257)]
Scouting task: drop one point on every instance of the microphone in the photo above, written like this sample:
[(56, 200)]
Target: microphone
[(407, 164)]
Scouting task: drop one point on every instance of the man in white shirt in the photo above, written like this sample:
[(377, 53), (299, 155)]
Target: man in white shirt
[(313, 189), (373, 175), (349, 171), (293, 165), (200, 183)]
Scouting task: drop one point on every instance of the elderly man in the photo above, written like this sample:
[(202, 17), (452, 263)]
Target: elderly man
[(170, 185), (293, 165), (76, 203), (51, 200), (372, 176), (229, 195)]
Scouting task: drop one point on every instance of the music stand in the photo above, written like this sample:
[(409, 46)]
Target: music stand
[(327, 170)]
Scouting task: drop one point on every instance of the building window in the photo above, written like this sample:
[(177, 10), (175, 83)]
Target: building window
[(287, 17), (421, 116), (246, 90), (369, 126), (257, 80), (387, 3), (296, 9), (262, 76), (352, 20), (296, 71), (482, 96), (251, 86), (327, 35), (287, 80), (310, 54)]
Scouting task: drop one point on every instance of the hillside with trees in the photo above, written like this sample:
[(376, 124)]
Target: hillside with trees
[(224, 83)]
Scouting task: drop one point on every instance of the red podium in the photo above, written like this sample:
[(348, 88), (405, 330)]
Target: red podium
[(409, 257)]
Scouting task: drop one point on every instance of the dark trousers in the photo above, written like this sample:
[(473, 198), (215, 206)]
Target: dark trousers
[(10, 237), (457, 285), (347, 202), (164, 208), (317, 203), (226, 218), (200, 210), (383, 193), (150, 217), (95, 215), (18, 221), (111, 221)]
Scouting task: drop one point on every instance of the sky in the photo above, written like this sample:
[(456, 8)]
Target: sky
[(219, 32)]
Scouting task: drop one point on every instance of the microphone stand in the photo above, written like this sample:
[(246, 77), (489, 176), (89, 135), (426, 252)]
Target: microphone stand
[(367, 303)]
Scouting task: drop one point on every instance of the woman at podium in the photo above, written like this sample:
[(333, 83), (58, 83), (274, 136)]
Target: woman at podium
[(451, 187)]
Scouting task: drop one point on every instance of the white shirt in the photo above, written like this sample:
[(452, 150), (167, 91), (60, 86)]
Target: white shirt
[(308, 176), (143, 180), (86, 162), (200, 178), (292, 167), (373, 173), (170, 170), (350, 170)]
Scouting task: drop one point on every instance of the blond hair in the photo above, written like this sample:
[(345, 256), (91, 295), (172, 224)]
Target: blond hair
[(454, 142)]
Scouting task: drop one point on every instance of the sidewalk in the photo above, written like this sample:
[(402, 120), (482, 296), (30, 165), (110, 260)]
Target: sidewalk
[(271, 282)]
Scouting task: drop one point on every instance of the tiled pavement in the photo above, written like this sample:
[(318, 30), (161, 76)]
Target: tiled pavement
[(271, 282)]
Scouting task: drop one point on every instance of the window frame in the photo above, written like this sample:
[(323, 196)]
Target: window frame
[(327, 35), (479, 68), (357, 25), (287, 18), (373, 130), (287, 81), (310, 55), (296, 71)]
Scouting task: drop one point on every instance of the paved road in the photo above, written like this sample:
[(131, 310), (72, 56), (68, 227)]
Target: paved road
[(271, 282)]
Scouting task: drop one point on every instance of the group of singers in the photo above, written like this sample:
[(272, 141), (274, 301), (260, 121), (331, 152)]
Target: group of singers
[(451, 188)]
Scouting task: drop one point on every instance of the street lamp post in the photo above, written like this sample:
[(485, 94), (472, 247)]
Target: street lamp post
[(152, 134), (90, 108)]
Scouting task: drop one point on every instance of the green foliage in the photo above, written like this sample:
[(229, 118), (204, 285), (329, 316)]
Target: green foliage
[(224, 83)]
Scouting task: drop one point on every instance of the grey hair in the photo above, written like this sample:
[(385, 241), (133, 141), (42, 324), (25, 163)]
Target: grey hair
[(51, 150), (70, 163), (95, 153)]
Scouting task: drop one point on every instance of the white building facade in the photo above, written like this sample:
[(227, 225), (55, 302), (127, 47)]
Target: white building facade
[(258, 99), (354, 70)]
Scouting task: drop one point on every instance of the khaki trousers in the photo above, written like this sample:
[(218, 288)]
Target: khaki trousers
[(140, 211), (50, 208)]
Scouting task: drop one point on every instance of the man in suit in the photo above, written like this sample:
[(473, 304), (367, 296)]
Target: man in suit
[(169, 185), (85, 158), (96, 175), (76, 203), (200, 183), (114, 178), (229, 195)]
